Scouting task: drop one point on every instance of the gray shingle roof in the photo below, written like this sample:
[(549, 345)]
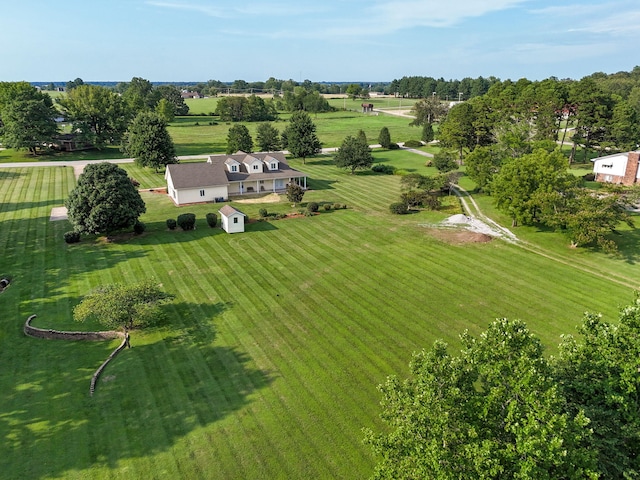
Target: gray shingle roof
[(214, 171)]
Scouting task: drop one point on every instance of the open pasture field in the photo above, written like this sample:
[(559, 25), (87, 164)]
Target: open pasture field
[(268, 361), (196, 135)]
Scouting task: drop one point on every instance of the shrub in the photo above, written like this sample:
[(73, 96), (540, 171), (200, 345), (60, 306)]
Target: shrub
[(212, 219), (263, 213), (139, 227), (307, 213), (187, 221), (312, 207), (72, 237), (134, 182), (171, 224), (399, 208), (327, 206), (344, 205), (589, 177), (337, 206), (413, 144), (382, 168), (393, 146)]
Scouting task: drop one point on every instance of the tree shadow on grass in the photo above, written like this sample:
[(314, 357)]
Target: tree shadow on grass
[(8, 175), (319, 184), (173, 381)]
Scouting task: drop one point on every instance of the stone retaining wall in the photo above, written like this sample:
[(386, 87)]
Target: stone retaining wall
[(91, 336), (60, 335)]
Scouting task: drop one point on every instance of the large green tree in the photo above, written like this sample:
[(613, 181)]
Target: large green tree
[(124, 306), (587, 218), (428, 111), (27, 120), (353, 154), (104, 200), (97, 113), (267, 137), (239, 139), (172, 94), (481, 166), (514, 189), (456, 130), (300, 136), (149, 142), (493, 411), (599, 374)]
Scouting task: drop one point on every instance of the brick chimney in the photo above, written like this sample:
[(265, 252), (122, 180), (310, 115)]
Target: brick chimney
[(631, 172)]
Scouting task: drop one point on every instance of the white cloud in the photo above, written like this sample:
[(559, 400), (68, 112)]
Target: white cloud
[(435, 13), (204, 9), (623, 23)]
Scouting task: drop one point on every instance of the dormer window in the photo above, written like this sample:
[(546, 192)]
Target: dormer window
[(273, 166), (234, 168), (255, 167)]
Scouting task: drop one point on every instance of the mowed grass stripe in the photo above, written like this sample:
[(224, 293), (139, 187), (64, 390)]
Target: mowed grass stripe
[(263, 323)]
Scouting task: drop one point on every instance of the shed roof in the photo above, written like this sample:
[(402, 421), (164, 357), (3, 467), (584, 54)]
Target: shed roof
[(228, 210)]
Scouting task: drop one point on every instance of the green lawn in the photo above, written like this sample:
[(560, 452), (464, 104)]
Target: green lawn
[(268, 363)]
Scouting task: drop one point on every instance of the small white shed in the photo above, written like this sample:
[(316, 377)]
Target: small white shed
[(232, 219)]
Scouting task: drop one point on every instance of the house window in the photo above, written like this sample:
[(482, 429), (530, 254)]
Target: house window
[(273, 166), (235, 219), (202, 193), (234, 168), (255, 166), (261, 182)]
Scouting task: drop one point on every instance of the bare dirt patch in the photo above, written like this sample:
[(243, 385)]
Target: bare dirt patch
[(459, 237), (271, 198), (58, 213)]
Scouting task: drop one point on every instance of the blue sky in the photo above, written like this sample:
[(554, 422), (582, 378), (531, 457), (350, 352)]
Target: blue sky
[(323, 40)]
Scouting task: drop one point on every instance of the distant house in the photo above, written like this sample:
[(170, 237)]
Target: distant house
[(70, 142), (620, 168), (223, 176), (232, 219), (186, 94)]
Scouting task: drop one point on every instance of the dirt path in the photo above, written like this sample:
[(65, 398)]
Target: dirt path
[(472, 209)]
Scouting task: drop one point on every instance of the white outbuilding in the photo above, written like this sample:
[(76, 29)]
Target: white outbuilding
[(232, 219)]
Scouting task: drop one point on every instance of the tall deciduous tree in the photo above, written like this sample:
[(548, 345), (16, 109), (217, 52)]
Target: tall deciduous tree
[(519, 180), (104, 200), (172, 94), (123, 306), (428, 110), (97, 113), (493, 411), (481, 166), (239, 138), (599, 374), (354, 153), (300, 135), (586, 218), (149, 142), (27, 120), (267, 137)]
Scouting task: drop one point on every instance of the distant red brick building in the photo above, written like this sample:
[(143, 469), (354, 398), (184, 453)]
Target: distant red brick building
[(620, 168)]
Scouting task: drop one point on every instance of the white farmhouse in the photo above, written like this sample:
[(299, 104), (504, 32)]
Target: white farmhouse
[(222, 176)]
